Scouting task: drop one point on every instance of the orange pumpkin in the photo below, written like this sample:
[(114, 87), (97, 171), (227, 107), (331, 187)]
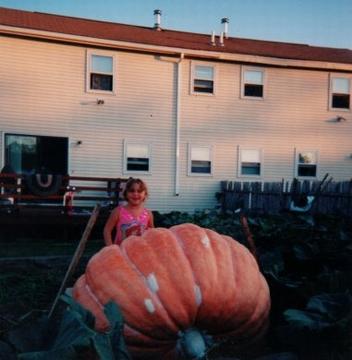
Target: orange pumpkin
[(177, 288)]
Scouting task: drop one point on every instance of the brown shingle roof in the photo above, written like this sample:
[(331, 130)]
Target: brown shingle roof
[(168, 38)]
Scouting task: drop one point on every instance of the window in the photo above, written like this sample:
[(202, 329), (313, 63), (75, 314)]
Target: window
[(200, 160), (137, 157), (340, 93), (203, 79), (101, 70), (250, 162), (306, 163), (27, 154), (252, 83)]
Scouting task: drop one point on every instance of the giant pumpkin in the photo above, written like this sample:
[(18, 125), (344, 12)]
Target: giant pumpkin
[(177, 288)]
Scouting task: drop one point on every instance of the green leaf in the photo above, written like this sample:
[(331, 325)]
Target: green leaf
[(272, 263), (306, 251), (68, 354), (332, 306), (279, 356), (308, 219), (24, 338), (76, 339), (322, 311), (344, 236), (7, 352), (110, 345), (73, 331), (304, 319)]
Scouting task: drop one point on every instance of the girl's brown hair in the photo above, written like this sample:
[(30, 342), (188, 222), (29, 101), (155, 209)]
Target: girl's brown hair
[(130, 182)]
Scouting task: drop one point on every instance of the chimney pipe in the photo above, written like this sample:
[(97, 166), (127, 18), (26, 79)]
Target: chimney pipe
[(225, 21), (157, 21)]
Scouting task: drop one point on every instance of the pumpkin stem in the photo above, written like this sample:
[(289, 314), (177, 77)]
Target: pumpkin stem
[(193, 344)]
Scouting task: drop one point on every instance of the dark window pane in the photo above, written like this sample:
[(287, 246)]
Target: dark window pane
[(307, 170), (341, 101), (253, 90), (201, 167), (250, 168), (34, 154), (203, 86), (137, 164), (101, 82)]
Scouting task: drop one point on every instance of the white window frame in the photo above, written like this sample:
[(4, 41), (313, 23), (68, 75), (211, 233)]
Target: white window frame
[(339, 76), (299, 151), (125, 160), (90, 53), (239, 162), (194, 146), (193, 71), (249, 68)]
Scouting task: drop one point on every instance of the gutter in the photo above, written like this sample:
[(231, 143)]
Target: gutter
[(178, 121), (178, 94)]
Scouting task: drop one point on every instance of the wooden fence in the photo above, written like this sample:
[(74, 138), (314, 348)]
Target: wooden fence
[(325, 197)]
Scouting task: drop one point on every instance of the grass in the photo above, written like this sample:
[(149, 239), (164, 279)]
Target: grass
[(27, 284), (24, 247), (32, 285)]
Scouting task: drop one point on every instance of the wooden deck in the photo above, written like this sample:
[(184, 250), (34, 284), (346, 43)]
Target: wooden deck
[(21, 189), (63, 208)]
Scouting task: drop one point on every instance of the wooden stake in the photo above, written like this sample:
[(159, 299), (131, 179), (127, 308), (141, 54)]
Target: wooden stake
[(249, 236), (77, 255)]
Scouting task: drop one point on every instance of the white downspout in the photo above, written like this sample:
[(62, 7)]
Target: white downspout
[(178, 120)]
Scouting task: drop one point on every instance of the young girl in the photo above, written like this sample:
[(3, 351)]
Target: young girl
[(132, 218)]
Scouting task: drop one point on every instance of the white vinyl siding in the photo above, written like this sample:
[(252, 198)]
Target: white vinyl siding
[(340, 93)]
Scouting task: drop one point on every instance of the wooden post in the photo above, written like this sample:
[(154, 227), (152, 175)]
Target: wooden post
[(77, 255), (249, 236), (247, 196), (223, 196)]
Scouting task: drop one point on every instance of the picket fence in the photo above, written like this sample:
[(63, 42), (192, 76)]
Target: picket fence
[(327, 197)]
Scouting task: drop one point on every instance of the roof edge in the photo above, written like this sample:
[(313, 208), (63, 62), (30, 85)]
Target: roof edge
[(172, 51), (174, 30)]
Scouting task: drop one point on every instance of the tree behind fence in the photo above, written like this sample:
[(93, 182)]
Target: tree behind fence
[(273, 197)]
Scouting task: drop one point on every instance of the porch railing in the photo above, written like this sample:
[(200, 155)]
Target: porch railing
[(77, 191)]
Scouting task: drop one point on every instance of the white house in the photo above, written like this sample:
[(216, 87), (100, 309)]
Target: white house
[(183, 111)]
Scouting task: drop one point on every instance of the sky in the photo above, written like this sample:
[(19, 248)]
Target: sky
[(314, 22)]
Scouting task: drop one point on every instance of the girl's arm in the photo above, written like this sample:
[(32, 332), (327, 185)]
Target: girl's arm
[(109, 226), (151, 219)]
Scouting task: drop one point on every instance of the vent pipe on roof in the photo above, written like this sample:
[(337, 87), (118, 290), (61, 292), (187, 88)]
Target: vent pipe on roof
[(222, 38), (225, 21), (157, 21), (212, 38)]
